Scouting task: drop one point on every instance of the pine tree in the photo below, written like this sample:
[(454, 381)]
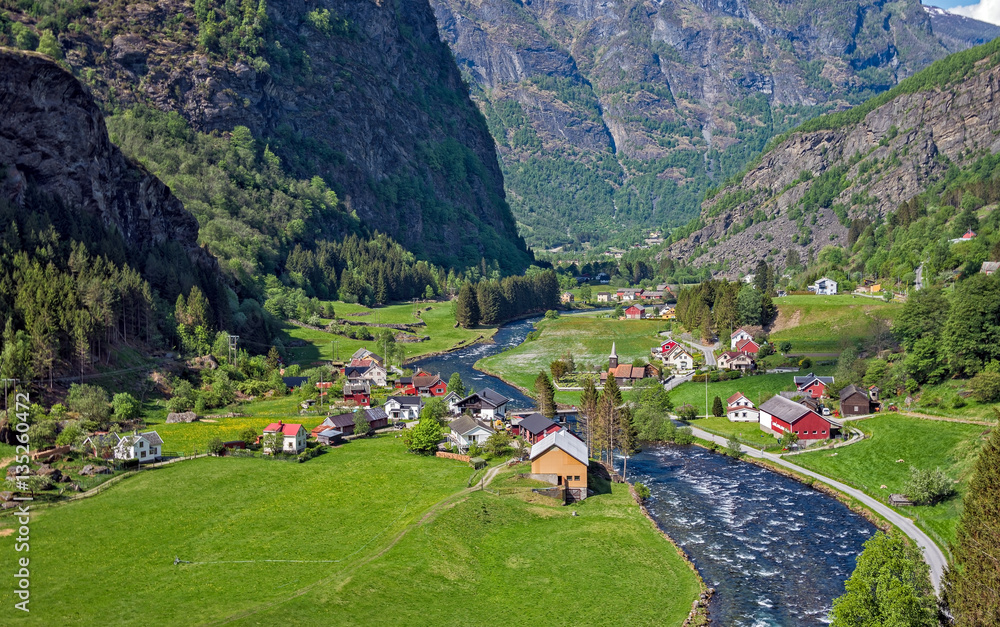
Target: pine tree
[(545, 395), (717, 408), (456, 385), (589, 400), (972, 583), (467, 307)]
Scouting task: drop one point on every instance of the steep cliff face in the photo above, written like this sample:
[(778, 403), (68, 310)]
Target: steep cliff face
[(652, 101), (803, 193), (53, 137), (362, 93)]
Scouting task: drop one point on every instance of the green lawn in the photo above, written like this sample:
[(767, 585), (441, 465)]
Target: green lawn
[(494, 560), (748, 432), (109, 559), (186, 437), (757, 388), (440, 328), (587, 337), (826, 324), (941, 400), (918, 442)]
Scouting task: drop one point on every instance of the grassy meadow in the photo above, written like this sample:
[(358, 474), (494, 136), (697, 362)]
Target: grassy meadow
[(758, 388), (440, 328), (826, 324), (370, 534), (587, 337), (926, 444)]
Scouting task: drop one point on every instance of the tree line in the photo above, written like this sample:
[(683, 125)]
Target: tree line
[(493, 301), (720, 306)]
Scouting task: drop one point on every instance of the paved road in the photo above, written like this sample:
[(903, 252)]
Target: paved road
[(932, 554), (708, 351)]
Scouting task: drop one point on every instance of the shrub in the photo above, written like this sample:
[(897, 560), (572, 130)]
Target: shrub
[(683, 436), (805, 362), (733, 447), (125, 406), (985, 387), (687, 412), (215, 446), (90, 402), (642, 491), (927, 487)]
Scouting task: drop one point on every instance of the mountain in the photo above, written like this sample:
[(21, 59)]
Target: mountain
[(839, 174), (614, 118), (958, 32), (362, 94)]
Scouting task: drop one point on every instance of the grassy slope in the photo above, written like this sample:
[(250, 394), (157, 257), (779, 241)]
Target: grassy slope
[(500, 560), (440, 328), (826, 324), (476, 561), (588, 338), (921, 443)]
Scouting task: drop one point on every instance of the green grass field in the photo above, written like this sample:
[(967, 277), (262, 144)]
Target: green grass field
[(825, 324), (109, 559), (926, 444), (587, 337), (748, 432), (757, 388), (941, 400), (440, 327)]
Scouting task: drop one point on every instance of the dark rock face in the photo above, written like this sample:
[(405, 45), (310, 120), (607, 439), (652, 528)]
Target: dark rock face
[(675, 89), (52, 135), (375, 104), (887, 158)]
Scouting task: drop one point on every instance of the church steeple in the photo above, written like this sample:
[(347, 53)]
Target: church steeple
[(613, 358)]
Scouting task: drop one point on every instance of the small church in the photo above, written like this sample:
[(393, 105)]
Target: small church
[(626, 374)]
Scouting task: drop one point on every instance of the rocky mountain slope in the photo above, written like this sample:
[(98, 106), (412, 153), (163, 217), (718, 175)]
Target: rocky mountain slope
[(361, 93), (53, 138), (855, 165), (612, 118), (958, 32)]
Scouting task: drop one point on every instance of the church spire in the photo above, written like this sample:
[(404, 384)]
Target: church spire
[(613, 358)]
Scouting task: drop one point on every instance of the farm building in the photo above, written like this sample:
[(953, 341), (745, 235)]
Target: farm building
[(779, 415), (854, 401)]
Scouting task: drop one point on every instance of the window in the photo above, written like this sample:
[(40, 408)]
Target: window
[(823, 431), (576, 477), (814, 432)]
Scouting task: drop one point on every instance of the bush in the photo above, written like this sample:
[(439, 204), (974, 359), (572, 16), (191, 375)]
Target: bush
[(927, 487), (683, 436), (215, 446), (248, 435), (733, 447), (90, 402), (642, 491), (551, 314), (125, 406), (805, 362), (985, 387), (424, 437), (687, 412)]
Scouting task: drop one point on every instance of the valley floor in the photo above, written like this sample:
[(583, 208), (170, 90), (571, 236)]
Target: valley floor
[(363, 532)]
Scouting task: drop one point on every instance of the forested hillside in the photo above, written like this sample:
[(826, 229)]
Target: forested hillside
[(613, 119), (878, 189), (279, 104)]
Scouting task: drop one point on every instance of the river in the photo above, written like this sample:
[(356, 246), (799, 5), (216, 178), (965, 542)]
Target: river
[(776, 552), (462, 361)]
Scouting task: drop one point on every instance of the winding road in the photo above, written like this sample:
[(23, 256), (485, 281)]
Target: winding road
[(932, 553)]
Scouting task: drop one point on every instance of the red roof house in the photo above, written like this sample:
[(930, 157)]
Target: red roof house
[(747, 346), (634, 313)]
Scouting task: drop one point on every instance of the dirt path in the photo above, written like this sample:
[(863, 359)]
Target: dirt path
[(343, 576), (785, 322), (946, 419)]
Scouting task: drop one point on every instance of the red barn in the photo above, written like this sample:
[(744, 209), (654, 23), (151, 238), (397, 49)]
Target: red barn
[(780, 415), (634, 313)]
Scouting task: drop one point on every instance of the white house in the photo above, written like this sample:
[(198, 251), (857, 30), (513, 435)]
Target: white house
[(145, 447), (824, 287), (486, 404), (403, 407), (366, 370), (679, 359), (451, 399), (465, 430), (738, 336), (293, 437), (741, 409)]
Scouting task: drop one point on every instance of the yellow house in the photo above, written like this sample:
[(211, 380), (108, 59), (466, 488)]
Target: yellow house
[(563, 457), (876, 288)]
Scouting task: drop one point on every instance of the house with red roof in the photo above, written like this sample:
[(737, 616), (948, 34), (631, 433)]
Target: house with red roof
[(748, 346), (291, 436), (733, 360), (780, 415), (626, 374), (739, 408)]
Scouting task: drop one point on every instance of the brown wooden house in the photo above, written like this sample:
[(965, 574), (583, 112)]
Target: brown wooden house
[(854, 401)]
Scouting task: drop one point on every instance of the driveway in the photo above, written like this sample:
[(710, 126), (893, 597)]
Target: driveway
[(932, 553)]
